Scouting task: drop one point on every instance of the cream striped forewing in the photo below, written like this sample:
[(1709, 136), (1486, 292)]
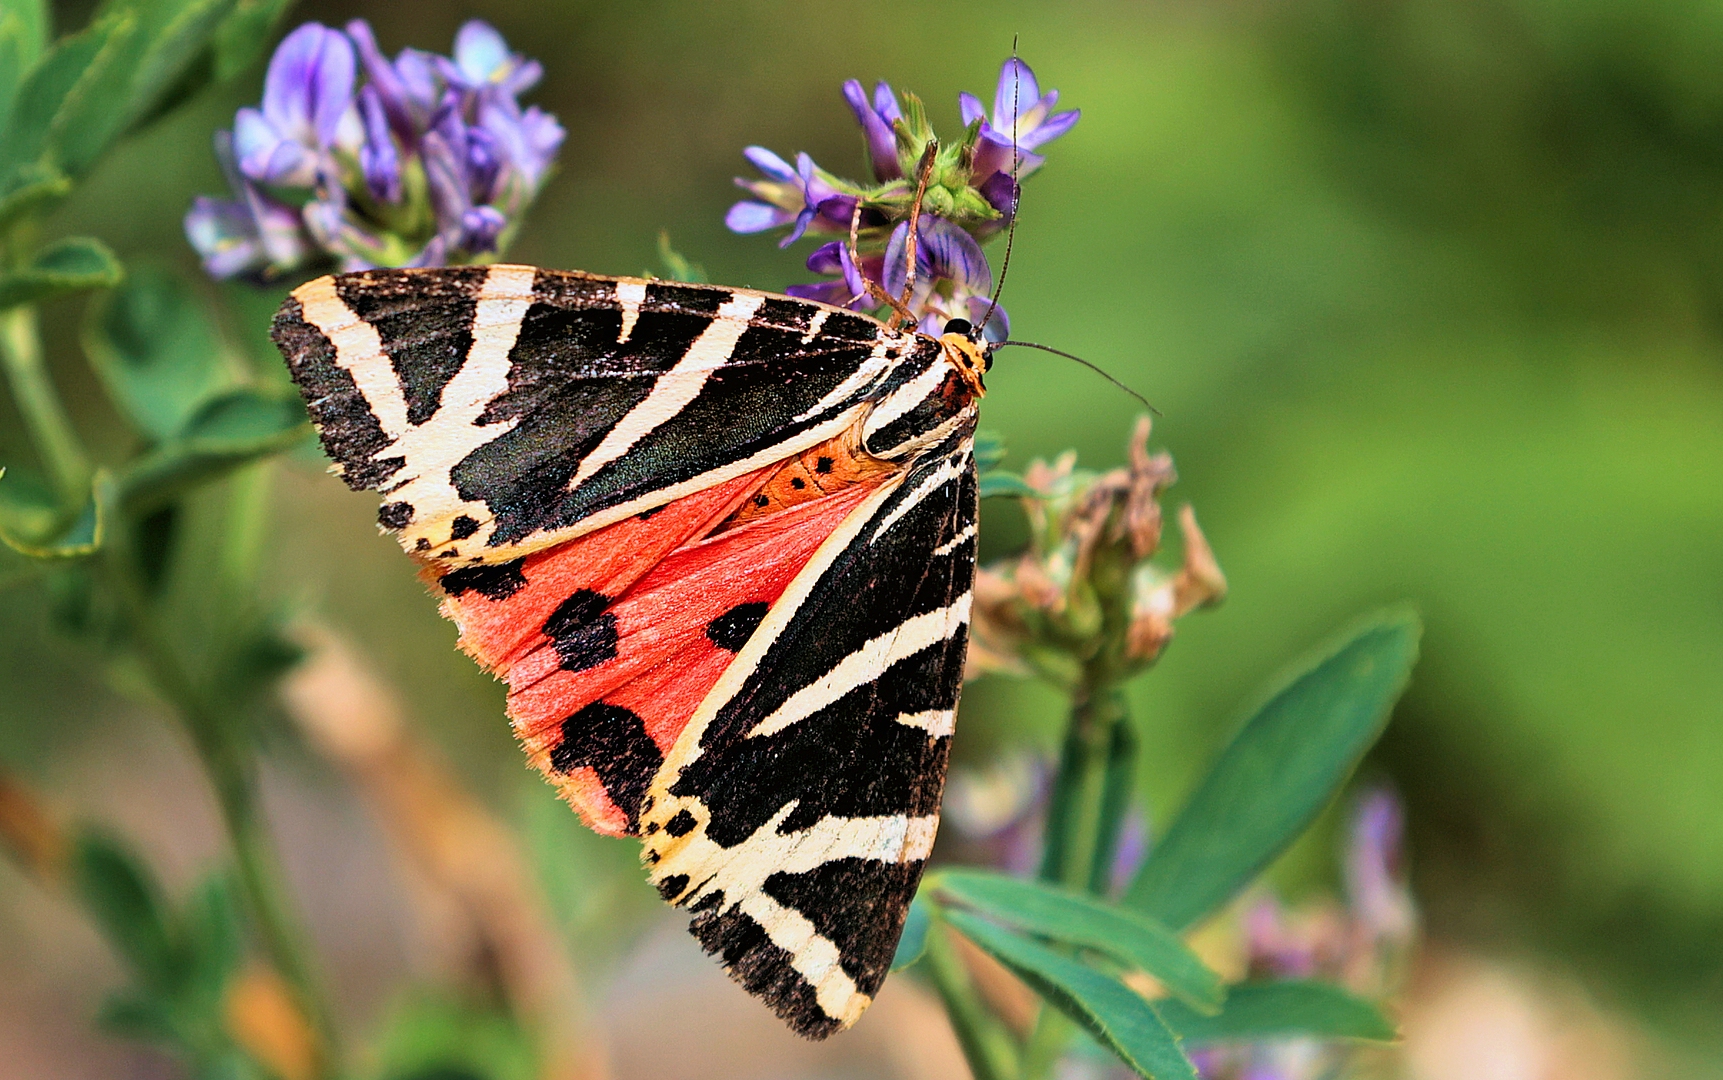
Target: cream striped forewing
[(505, 409)]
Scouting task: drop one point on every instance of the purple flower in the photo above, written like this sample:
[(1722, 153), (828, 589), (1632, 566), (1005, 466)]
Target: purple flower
[(482, 61), (1022, 120), (251, 235), (307, 95), (408, 87), (849, 289), (952, 278), (801, 197), (876, 119), (525, 140), (357, 157), (378, 158), (1378, 896)]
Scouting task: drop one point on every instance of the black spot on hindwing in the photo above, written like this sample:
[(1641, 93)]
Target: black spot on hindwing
[(582, 631), (611, 740), (731, 630), (497, 581)]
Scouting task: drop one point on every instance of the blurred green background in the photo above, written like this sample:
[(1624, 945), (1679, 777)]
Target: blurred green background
[(1430, 293)]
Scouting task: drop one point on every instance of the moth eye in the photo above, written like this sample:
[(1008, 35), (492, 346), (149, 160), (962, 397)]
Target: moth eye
[(958, 326)]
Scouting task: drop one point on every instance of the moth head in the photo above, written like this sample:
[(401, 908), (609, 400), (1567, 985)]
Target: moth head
[(965, 352)]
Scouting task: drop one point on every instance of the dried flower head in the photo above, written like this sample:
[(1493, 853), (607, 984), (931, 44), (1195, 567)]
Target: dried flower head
[(1087, 591), (422, 160)]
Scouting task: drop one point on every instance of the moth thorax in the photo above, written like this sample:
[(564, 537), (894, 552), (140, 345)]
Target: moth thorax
[(966, 356)]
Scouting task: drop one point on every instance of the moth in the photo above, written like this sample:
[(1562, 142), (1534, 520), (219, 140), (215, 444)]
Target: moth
[(720, 545)]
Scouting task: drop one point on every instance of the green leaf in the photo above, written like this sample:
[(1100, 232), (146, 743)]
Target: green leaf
[(124, 900), (226, 432), (1267, 1010), (989, 449), (133, 1016), (34, 19), (914, 940), (21, 44), (1278, 772), (32, 523), (55, 97), (32, 188), (999, 482), (244, 36), (157, 354), (676, 266), (1073, 918), (179, 34), (1114, 1014), (65, 266)]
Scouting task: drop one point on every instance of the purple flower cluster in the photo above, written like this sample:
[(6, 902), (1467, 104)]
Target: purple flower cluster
[(971, 195), (423, 160)]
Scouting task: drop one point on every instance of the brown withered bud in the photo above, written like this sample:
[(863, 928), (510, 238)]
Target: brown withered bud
[(1084, 595), (1159, 599)]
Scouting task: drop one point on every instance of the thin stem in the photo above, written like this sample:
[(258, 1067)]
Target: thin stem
[(50, 429), (233, 774), (988, 1047), (1075, 834), (1120, 780)]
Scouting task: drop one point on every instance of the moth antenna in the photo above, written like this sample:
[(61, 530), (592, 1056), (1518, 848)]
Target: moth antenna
[(1016, 199), (1092, 367), (923, 172)]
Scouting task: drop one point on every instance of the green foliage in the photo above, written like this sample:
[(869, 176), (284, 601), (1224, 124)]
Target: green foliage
[(431, 1036), (1112, 1013), (1134, 941), (913, 943), (1279, 771), (32, 523), (227, 432), (181, 958), (65, 266), (157, 354), (1267, 1010)]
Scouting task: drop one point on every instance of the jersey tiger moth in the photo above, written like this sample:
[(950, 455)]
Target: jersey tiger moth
[(720, 545)]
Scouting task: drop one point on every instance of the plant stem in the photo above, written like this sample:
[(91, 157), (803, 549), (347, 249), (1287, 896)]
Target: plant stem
[(988, 1047), (1076, 830), (232, 773), (51, 430)]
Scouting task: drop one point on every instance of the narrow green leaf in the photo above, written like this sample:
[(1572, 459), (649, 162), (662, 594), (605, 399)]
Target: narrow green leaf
[(914, 940), (65, 266), (1266, 1010), (1114, 1014), (72, 63), (1072, 918), (999, 482), (178, 33), (244, 36), (32, 188), (989, 449), (32, 523), (677, 266), (225, 433), (18, 53), (35, 26), (156, 353), (123, 899), (1278, 772)]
